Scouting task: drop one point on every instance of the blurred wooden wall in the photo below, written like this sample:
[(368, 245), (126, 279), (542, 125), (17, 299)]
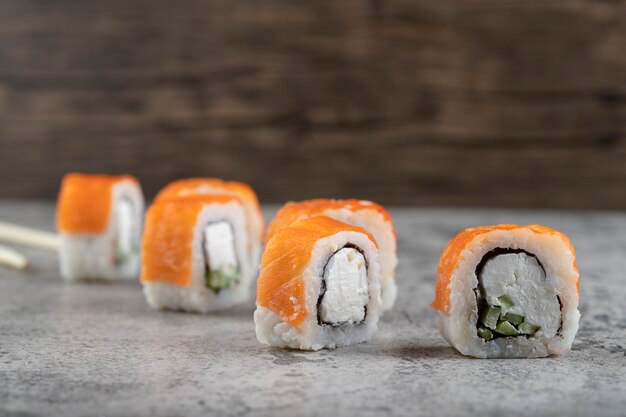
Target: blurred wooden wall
[(428, 102)]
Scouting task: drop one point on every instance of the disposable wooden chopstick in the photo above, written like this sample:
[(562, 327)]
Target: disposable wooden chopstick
[(12, 258), (28, 237)]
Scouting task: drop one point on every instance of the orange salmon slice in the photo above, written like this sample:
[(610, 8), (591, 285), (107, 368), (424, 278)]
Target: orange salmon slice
[(84, 202)]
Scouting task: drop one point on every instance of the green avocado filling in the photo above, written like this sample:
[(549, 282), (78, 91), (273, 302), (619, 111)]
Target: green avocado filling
[(505, 328), (498, 321), (219, 279), (489, 316), (513, 318), (485, 333), (121, 256), (527, 328), (506, 302)]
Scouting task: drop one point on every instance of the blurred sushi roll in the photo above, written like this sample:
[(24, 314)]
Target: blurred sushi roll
[(508, 291), (194, 253), (245, 193), (366, 214), (99, 221), (319, 286)]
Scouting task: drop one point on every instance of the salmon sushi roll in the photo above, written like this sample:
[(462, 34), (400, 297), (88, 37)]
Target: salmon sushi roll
[(194, 254), (99, 221), (245, 193), (319, 286), (366, 214), (508, 291)]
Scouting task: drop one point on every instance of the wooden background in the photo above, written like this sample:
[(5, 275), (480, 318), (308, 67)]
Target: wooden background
[(426, 102)]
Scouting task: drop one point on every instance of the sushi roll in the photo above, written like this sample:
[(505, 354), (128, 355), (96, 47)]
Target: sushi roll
[(255, 220), (99, 220), (361, 213), (194, 254), (508, 291), (319, 286)]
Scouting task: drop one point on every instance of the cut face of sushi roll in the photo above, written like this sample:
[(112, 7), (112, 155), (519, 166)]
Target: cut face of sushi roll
[(245, 193), (361, 213), (319, 286), (508, 291), (99, 220), (195, 254)]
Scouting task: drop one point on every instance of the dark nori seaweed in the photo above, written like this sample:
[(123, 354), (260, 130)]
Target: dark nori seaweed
[(320, 322), (479, 291)]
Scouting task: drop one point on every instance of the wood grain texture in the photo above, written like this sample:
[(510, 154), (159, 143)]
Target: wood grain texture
[(479, 103)]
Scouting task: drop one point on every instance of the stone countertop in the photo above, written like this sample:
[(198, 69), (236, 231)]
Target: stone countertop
[(98, 349)]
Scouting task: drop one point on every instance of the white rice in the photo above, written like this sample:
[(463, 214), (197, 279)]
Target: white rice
[(271, 330), (458, 326), (92, 256)]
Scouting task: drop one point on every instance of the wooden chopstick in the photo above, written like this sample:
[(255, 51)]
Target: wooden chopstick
[(12, 258), (28, 236)]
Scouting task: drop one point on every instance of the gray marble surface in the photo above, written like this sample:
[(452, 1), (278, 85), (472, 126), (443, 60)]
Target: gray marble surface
[(98, 349)]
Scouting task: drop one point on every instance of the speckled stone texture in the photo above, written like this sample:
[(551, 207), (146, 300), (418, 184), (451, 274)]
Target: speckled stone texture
[(98, 349)]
